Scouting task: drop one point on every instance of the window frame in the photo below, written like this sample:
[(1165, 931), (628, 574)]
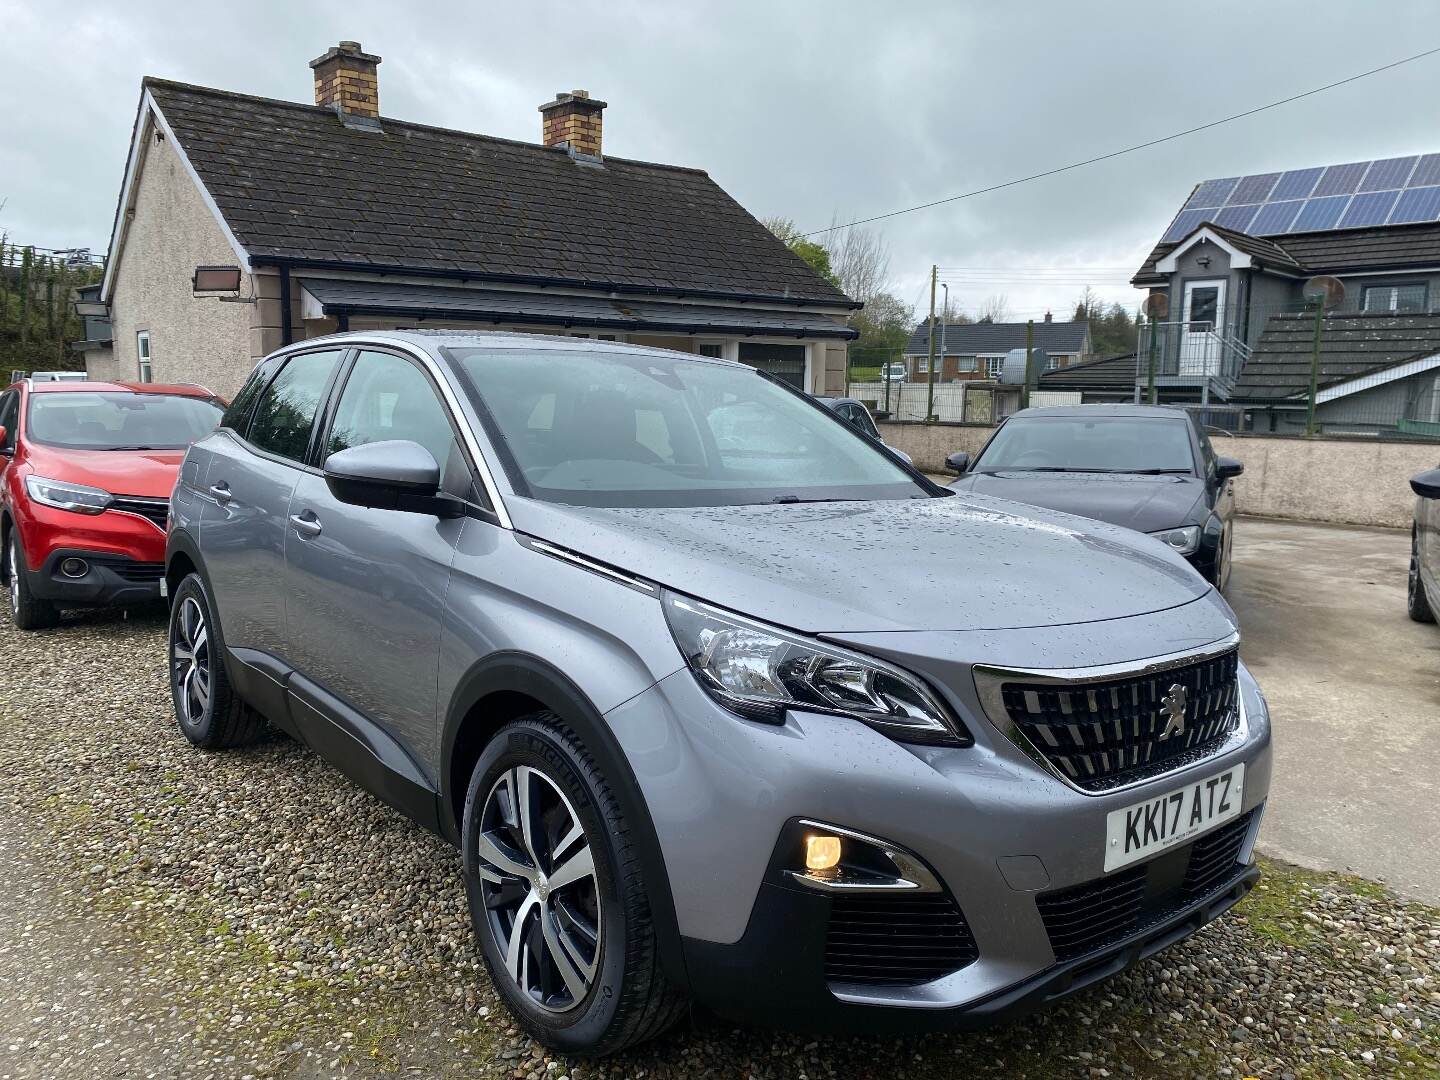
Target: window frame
[(144, 359), (710, 343), (325, 419), (994, 365), (321, 410), (1394, 290)]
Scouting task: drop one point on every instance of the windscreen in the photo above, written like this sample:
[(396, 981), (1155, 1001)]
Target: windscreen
[(625, 429), (1090, 444), (116, 420)]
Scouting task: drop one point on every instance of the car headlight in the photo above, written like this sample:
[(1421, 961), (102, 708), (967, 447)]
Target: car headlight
[(760, 671), (1184, 540), (63, 496)]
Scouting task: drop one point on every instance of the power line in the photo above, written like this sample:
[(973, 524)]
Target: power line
[(1137, 146)]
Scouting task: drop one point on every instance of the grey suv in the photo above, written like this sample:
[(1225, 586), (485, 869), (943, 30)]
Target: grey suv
[(610, 620)]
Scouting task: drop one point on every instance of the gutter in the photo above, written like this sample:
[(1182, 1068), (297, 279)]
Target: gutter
[(464, 277), (343, 312)]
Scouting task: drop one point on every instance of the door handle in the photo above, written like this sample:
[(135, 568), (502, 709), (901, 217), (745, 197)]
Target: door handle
[(221, 492), (305, 526)]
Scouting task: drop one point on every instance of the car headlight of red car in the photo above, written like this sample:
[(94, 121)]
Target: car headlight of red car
[(63, 496)]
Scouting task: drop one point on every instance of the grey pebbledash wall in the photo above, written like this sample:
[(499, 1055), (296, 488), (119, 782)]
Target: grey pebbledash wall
[(1337, 480)]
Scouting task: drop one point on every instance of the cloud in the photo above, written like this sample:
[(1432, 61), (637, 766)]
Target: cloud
[(808, 110)]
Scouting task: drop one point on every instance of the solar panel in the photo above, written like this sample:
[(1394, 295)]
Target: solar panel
[(1417, 204), (1235, 217), (1211, 193), (1255, 189), (1368, 208), (1355, 195), (1427, 171), (1296, 184), (1341, 179), (1388, 175), (1320, 214), (1275, 218)]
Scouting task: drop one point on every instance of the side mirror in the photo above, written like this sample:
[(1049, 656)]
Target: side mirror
[(1427, 484), (958, 462), (396, 474), (1228, 468)]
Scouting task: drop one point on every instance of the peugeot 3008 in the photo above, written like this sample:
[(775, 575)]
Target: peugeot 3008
[(609, 619)]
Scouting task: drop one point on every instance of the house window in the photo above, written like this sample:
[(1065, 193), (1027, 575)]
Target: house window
[(994, 365), (142, 353), (710, 348), (1397, 297), (922, 365)]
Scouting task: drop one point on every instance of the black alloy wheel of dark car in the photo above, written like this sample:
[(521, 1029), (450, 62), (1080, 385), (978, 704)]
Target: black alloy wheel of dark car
[(1417, 603), (556, 895), (210, 714)]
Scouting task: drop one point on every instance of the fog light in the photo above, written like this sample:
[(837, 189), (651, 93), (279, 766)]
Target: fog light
[(74, 567), (822, 852)]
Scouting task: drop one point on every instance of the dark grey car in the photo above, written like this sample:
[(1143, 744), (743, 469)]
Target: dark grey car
[(610, 620), (1423, 591)]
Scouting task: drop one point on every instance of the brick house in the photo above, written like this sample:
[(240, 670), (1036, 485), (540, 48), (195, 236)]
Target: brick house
[(977, 350), (346, 219)]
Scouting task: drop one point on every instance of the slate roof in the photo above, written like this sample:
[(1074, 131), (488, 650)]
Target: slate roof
[(354, 297), (969, 339), (1351, 344), (1107, 372), (1335, 251), (293, 182)]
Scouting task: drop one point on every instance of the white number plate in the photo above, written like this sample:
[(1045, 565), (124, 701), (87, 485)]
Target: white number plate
[(1149, 827)]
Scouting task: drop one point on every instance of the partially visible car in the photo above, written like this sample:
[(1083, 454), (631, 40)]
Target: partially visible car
[(86, 471), (58, 376), (895, 371), (1423, 592), (856, 413), (1149, 468)]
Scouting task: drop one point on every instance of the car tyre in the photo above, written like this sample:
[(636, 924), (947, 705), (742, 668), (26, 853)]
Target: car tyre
[(209, 712), (576, 961), (1417, 602), (27, 610)]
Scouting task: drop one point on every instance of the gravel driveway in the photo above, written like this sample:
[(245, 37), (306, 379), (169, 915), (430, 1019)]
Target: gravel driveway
[(170, 913)]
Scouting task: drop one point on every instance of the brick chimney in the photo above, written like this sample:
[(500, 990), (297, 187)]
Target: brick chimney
[(345, 81), (573, 121), (1048, 317)]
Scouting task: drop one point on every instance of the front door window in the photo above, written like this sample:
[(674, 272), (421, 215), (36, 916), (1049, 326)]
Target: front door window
[(1204, 317)]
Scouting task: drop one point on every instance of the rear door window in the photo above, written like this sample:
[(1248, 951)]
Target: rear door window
[(285, 415), (9, 417)]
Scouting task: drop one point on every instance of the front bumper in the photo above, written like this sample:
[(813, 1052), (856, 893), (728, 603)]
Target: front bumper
[(109, 580), (996, 830)]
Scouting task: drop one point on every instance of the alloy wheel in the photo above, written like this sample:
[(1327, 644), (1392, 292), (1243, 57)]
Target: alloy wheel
[(14, 575), (190, 661), (537, 878)]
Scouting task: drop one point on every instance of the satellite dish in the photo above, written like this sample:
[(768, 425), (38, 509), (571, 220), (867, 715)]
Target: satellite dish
[(1327, 290), (1157, 305)]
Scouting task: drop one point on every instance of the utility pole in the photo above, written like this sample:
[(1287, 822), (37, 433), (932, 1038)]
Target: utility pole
[(1310, 428), (1029, 360), (930, 392)]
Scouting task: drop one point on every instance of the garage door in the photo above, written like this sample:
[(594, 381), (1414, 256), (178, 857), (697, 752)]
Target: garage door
[(785, 362)]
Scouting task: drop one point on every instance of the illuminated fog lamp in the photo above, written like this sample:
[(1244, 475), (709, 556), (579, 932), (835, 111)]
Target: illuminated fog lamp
[(822, 852)]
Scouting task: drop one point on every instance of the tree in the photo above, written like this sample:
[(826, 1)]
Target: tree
[(994, 309), (37, 313), (1112, 330), (813, 253), (861, 259)]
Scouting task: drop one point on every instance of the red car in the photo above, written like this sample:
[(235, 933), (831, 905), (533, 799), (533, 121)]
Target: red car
[(86, 471)]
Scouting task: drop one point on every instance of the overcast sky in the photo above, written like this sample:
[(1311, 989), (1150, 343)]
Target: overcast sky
[(811, 111)]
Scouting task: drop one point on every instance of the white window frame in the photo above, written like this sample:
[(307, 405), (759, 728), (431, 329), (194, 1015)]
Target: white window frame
[(922, 364), (717, 344), (143, 365), (1394, 297), (994, 366)]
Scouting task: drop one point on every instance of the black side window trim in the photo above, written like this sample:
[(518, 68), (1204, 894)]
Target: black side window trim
[(321, 434)]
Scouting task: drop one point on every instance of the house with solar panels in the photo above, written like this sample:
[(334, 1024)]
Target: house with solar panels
[(1233, 263)]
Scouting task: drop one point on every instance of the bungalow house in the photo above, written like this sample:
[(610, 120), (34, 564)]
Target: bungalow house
[(331, 217), (1233, 265), (966, 351)]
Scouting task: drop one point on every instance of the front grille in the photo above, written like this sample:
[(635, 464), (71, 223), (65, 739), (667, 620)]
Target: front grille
[(1104, 734), (1085, 918), (897, 940), (141, 573), (156, 510)]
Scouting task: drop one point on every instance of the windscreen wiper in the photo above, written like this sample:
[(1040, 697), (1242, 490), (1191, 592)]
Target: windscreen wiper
[(787, 499)]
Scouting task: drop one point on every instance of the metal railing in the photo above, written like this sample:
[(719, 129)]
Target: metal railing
[(1192, 351)]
